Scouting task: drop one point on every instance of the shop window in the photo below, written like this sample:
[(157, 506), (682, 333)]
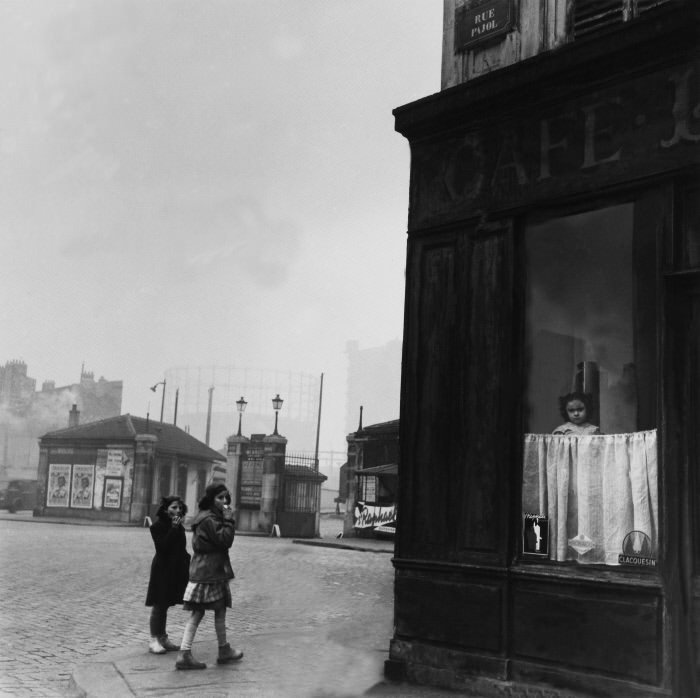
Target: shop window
[(367, 489), (590, 453)]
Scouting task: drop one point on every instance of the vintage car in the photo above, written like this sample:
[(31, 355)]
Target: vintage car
[(18, 495)]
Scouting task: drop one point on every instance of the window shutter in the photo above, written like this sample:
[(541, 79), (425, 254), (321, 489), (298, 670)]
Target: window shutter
[(644, 5), (592, 15)]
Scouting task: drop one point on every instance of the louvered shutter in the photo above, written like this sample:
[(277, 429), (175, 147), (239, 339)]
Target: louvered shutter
[(644, 5), (592, 15)]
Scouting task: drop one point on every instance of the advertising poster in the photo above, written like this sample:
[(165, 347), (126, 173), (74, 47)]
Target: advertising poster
[(59, 485), (83, 486), (115, 462), (252, 477), (368, 516), (113, 492)]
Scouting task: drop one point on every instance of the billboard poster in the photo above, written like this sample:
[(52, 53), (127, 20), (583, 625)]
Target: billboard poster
[(115, 462), (59, 485), (82, 486), (113, 492), (251, 477), (369, 516)]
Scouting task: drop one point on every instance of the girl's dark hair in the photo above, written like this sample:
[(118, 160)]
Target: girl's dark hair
[(210, 493), (165, 502), (585, 398)]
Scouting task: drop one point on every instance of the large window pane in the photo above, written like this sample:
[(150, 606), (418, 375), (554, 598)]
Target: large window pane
[(589, 486)]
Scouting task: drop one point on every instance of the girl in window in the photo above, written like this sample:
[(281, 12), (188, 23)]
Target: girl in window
[(575, 408)]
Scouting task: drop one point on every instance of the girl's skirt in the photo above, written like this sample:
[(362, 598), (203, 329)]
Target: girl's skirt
[(200, 596)]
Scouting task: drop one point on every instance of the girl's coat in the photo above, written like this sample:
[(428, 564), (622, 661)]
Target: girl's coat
[(170, 566), (212, 536)]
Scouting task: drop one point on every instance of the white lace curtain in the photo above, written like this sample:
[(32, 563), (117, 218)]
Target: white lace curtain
[(594, 489)]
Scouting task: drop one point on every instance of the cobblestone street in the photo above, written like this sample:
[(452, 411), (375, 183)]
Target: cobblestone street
[(71, 592)]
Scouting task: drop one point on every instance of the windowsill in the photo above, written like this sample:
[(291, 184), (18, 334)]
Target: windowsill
[(618, 575)]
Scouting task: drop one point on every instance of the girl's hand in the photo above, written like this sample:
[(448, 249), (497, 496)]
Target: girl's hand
[(177, 520), (228, 513)]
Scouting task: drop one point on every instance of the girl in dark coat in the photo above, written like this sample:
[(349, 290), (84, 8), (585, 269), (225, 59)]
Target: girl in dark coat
[(210, 572), (169, 570)]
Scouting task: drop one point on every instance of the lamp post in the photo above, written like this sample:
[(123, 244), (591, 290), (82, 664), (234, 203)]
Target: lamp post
[(241, 405), (276, 406), (162, 400)]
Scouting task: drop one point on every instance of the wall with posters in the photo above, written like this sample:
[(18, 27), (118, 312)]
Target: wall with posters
[(118, 469), (90, 479)]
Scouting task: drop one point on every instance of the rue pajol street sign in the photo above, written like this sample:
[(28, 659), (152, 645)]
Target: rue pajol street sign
[(476, 25)]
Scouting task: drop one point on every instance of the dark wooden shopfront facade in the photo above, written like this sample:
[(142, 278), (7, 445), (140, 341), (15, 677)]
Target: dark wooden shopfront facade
[(554, 246)]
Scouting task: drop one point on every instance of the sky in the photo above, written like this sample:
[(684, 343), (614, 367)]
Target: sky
[(207, 182)]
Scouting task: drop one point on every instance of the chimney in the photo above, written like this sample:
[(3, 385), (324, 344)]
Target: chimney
[(74, 416)]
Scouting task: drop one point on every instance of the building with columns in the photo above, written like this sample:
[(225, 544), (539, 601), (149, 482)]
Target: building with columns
[(117, 469)]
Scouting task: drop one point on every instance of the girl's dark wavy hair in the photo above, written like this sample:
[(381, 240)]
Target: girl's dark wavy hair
[(585, 398), (165, 502), (212, 490)]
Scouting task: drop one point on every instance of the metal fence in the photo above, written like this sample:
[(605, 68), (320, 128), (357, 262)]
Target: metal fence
[(299, 459), (301, 483)]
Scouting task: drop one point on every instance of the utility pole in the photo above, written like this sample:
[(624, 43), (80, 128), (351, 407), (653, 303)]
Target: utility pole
[(206, 440), (318, 424), (318, 432)]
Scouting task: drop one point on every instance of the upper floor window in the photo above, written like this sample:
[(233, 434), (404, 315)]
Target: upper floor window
[(591, 15)]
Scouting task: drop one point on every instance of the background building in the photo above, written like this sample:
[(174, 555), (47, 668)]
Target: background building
[(374, 382), (117, 469), (27, 413)]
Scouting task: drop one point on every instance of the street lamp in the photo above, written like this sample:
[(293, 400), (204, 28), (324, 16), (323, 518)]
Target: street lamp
[(276, 406), (162, 400), (241, 405)]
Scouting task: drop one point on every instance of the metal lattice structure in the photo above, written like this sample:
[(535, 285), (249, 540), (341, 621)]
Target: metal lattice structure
[(298, 417)]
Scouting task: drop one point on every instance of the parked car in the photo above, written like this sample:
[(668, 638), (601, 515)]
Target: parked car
[(18, 495)]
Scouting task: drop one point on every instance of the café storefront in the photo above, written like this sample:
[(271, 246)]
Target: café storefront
[(550, 526)]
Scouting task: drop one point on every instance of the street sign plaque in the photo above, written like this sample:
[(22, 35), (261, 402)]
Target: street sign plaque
[(478, 24)]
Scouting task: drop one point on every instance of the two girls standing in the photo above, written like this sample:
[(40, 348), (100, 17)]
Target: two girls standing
[(209, 574)]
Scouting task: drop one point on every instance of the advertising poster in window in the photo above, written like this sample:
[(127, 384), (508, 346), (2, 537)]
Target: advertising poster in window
[(82, 487), (113, 492), (59, 485)]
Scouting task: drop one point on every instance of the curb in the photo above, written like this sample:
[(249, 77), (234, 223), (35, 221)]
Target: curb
[(342, 546)]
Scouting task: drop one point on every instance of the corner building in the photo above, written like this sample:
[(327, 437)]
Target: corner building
[(553, 248)]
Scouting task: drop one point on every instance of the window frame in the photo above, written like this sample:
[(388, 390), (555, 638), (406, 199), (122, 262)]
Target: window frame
[(651, 225)]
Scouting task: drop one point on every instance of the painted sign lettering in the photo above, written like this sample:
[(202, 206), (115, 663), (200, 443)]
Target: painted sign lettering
[(367, 516), (643, 127)]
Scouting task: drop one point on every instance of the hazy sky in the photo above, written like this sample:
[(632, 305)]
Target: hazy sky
[(206, 183)]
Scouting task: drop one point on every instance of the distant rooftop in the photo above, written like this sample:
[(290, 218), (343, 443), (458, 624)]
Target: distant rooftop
[(171, 439)]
